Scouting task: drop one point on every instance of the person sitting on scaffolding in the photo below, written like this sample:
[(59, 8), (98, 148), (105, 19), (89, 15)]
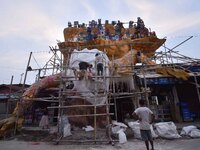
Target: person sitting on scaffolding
[(90, 71), (83, 67), (99, 64)]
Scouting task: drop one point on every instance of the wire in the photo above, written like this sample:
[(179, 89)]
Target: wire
[(36, 61), (10, 68), (183, 36), (41, 51)]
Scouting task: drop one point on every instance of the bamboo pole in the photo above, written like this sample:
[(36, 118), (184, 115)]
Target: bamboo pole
[(10, 90), (15, 130), (72, 106), (91, 115), (25, 76), (197, 86)]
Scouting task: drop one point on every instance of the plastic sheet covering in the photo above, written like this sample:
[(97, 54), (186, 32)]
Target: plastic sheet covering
[(135, 126), (117, 126), (122, 136), (88, 128), (65, 127), (191, 131), (167, 130), (89, 88), (86, 89), (67, 130)]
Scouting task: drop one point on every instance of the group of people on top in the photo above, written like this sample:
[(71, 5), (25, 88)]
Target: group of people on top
[(96, 30)]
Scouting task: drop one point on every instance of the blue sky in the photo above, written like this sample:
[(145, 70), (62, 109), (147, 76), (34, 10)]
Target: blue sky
[(34, 25)]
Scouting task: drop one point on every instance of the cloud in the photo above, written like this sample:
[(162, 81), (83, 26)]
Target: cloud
[(165, 18), (27, 20), (27, 27), (89, 9), (185, 22)]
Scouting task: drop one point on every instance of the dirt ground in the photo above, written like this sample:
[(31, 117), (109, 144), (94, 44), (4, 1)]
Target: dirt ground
[(37, 134), (34, 138), (132, 144)]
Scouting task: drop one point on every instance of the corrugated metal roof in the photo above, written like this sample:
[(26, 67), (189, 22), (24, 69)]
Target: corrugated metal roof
[(3, 96), (12, 96), (151, 75)]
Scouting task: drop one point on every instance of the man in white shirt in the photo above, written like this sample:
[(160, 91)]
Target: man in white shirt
[(99, 63), (145, 117)]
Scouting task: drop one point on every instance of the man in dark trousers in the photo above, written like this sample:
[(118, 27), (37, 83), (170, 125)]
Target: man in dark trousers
[(99, 63), (145, 117)]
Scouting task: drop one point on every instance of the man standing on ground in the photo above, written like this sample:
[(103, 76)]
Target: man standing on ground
[(145, 117)]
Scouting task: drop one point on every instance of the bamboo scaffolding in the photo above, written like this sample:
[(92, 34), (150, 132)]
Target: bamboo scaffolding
[(163, 57), (91, 115), (73, 106), (64, 95)]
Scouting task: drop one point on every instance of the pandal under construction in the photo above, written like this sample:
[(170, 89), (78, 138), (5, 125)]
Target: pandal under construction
[(84, 93)]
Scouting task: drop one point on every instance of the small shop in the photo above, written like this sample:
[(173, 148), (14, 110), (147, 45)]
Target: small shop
[(166, 97)]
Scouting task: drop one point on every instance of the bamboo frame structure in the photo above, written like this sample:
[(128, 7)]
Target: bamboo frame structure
[(114, 94), (63, 93)]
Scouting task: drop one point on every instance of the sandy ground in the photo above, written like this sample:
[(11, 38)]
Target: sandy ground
[(37, 139), (133, 144)]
